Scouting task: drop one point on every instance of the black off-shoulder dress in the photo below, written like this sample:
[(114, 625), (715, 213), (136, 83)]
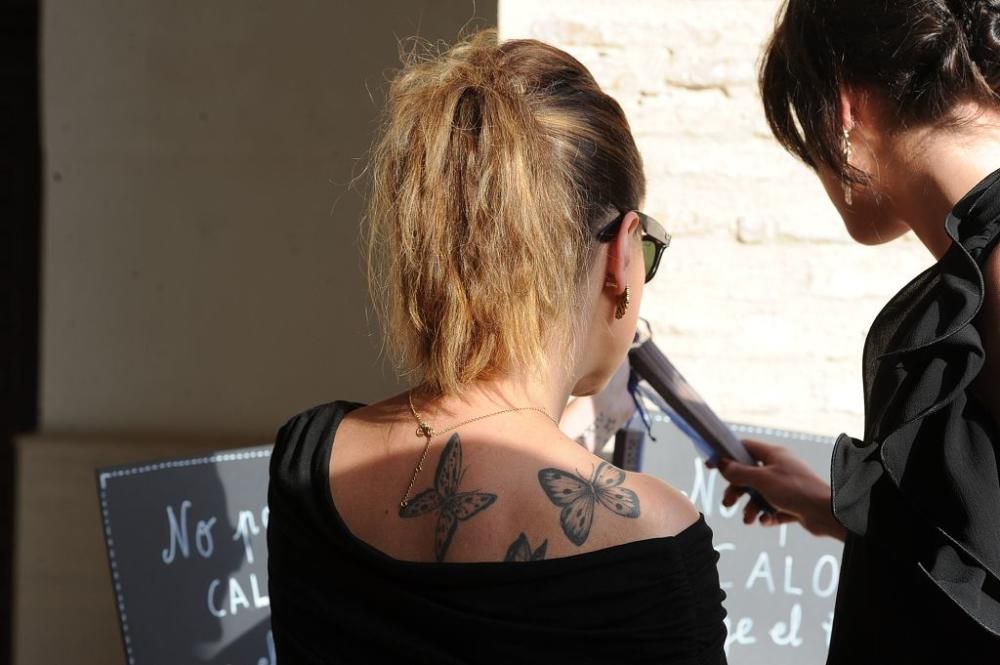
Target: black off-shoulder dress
[(335, 599), (920, 495)]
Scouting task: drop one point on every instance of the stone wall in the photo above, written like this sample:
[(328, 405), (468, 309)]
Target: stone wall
[(763, 301)]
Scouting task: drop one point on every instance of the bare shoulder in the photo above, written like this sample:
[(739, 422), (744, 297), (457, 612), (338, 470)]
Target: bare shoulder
[(667, 510), (601, 505)]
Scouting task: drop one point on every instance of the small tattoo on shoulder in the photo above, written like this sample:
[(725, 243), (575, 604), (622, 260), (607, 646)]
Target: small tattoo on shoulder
[(598, 432), (577, 496), (444, 498), (520, 550)]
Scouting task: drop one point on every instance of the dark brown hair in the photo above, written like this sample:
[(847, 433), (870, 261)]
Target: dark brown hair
[(924, 56), (495, 163)]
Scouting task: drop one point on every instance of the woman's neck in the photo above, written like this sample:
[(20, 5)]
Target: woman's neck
[(497, 394), (935, 169), (938, 169)]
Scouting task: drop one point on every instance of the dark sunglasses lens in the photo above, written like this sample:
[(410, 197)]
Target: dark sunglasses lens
[(649, 257)]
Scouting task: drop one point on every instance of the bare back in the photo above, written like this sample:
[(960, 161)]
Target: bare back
[(509, 488)]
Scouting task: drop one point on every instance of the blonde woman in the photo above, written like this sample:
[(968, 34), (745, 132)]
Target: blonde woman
[(456, 523)]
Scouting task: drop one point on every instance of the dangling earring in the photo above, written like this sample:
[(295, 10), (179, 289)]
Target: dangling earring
[(623, 302), (848, 191)]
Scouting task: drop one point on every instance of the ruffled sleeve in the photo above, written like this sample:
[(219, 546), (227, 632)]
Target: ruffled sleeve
[(925, 432)]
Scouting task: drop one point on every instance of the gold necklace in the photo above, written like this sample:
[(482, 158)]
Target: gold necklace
[(425, 430)]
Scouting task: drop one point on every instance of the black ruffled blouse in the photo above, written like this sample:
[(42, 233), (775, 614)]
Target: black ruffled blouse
[(920, 495)]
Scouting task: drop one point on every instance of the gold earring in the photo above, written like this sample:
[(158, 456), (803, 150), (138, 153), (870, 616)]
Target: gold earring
[(848, 192), (623, 303)]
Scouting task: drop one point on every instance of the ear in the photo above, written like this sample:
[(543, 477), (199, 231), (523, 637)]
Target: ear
[(620, 253), (859, 106), (848, 108)]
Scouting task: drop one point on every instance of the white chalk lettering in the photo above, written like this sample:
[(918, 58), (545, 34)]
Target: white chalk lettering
[(246, 527), (789, 589), (236, 596), (784, 634), (203, 537), (178, 534), (258, 600), (742, 635), (762, 570), (831, 584), (731, 510), (212, 607)]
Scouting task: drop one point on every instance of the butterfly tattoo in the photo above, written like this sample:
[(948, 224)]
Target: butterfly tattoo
[(451, 505), (577, 496), (520, 550)]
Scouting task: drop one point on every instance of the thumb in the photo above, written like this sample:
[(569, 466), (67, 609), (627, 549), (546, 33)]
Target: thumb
[(742, 475)]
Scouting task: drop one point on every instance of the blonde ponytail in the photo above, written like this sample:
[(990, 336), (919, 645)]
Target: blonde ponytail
[(483, 197)]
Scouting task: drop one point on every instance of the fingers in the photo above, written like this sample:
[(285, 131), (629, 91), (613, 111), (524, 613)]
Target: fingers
[(742, 477), (739, 474), (762, 452), (731, 495), (750, 512), (775, 519)]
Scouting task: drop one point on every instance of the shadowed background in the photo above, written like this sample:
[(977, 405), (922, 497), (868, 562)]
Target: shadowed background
[(201, 280)]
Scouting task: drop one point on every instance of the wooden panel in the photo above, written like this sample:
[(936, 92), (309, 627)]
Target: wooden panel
[(64, 606)]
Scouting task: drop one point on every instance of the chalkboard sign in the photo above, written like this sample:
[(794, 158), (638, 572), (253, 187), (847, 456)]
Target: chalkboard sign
[(187, 546), (780, 582), (186, 542)]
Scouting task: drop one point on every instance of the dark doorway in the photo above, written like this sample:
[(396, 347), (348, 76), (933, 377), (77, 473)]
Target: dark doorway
[(20, 234)]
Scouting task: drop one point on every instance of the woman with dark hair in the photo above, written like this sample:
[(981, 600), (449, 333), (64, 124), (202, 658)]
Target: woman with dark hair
[(896, 105), (455, 523)]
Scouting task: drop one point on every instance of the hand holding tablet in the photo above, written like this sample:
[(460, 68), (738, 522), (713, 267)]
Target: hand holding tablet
[(653, 366)]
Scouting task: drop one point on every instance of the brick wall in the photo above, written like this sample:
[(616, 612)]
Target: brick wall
[(763, 301)]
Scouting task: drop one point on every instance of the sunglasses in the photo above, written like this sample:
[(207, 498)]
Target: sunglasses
[(655, 239)]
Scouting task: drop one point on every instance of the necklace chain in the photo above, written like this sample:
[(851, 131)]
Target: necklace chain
[(425, 430)]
